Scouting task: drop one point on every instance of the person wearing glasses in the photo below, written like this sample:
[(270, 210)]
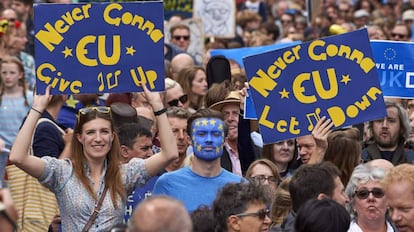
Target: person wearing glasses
[(241, 207), (180, 36), (400, 32), (93, 181), (399, 189), (264, 172), (174, 94), (367, 200)]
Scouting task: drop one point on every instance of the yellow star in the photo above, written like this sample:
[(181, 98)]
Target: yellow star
[(345, 79), (71, 102), (197, 123), (67, 52), (284, 94), (217, 149), (130, 50), (212, 122), (198, 148), (204, 122), (220, 127)]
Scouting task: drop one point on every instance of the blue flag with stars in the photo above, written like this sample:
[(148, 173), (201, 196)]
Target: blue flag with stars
[(293, 87), (395, 64), (99, 47)]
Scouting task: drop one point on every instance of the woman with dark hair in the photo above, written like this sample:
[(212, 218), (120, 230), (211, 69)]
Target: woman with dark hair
[(194, 83), (94, 175), (284, 154), (344, 150)]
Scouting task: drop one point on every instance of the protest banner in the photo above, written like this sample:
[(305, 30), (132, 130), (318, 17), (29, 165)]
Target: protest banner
[(218, 17), (178, 7), (237, 54), (395, 64), (99, 47), (292, 88)]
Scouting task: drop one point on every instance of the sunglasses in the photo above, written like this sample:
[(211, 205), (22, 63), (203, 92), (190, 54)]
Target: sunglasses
[(398, 35), (100, 109), (179, 37), (363, 194), (262, 178), (182, 99), (261, 214)]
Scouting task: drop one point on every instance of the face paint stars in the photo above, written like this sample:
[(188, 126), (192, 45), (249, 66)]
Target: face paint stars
[(130, 50), (345, 79), (212, 122), (67, 52), (284, 94), (204, 122), (217, 150)]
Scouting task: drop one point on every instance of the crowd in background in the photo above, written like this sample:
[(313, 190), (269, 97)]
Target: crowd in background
[(186, 159)]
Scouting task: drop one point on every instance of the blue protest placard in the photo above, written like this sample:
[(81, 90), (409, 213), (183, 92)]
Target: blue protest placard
[(237, 54), (292, 88), (395, 64), (99, 47)]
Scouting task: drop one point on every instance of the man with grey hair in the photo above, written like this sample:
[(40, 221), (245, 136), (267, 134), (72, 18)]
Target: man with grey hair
[(388, 137), (160, 213)]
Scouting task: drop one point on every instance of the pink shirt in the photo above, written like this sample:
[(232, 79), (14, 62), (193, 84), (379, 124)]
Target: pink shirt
[(235, 161)]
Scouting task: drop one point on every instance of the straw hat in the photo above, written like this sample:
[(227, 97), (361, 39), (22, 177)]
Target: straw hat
[(232, 98)]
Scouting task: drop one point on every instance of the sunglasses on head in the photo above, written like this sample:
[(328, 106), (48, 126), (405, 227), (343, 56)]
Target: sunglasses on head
[(182, 99), (261, 214), (364, 193), (100, 109), (179, 37)]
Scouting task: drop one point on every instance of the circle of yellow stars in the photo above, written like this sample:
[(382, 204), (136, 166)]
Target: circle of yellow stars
[(206, 122)]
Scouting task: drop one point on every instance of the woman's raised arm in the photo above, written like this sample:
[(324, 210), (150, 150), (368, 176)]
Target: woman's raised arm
[(169, 150), (19, 154)]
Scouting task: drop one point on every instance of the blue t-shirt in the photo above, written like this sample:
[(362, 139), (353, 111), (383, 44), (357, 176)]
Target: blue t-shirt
[(192, 189)]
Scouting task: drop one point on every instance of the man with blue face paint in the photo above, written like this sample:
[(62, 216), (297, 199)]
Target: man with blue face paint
[(208, 138), (198, 183)]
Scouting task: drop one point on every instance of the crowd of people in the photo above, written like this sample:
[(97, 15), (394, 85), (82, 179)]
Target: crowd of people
[(186, 159)]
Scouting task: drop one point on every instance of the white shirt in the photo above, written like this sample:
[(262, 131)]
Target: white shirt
[(354, 227)]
